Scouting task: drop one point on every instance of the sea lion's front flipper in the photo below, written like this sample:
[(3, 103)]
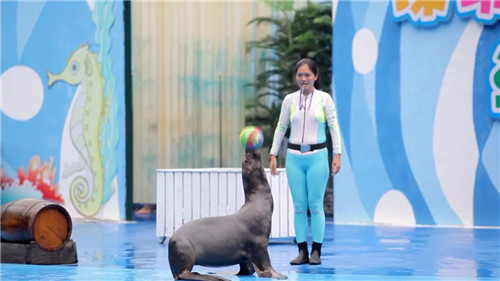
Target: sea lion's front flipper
[(188, 275)]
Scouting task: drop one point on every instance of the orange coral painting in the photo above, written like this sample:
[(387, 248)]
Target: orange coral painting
[(36, 182)]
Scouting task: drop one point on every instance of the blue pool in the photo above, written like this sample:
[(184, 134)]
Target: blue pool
[(131, 251)]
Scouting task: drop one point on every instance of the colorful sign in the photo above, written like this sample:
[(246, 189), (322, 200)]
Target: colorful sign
[(486, 12), (495, 84), (430, 13)]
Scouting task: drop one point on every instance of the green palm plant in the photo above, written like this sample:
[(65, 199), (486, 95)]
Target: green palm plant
[(305, 32)]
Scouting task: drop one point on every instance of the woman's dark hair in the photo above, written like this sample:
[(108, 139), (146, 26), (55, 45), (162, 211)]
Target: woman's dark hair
[(314, 68)]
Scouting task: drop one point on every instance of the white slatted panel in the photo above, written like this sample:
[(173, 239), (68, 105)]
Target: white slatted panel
[(289, 210), (275, 189), (187, 194), (169, 203), (187, 200), (240, 191), (214, 195), (196, 195), (160, 209), (285, 207), (231, 193), (222, 194), (205, 196), (178, 194)]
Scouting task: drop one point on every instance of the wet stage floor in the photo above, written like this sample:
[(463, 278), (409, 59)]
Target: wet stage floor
[(131, 251)]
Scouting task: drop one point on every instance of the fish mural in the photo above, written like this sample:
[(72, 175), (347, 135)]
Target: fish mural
[(85, 120)]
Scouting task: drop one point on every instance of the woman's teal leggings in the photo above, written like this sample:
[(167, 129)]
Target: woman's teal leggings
[(307, 177)]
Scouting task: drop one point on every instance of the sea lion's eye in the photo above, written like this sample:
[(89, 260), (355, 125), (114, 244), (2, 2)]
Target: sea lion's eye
[(74, 67)]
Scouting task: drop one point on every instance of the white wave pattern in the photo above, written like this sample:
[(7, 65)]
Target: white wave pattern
[(490, 155), (28, 13), (394, 208), (455, 148)]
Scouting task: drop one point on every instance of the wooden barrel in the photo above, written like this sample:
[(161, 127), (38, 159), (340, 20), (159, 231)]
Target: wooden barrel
[(45, 222)]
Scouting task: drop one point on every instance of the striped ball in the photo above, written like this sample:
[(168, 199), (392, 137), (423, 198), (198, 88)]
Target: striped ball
[(251, 138)]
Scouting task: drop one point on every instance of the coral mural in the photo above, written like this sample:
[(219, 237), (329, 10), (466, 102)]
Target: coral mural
[(36, 182)]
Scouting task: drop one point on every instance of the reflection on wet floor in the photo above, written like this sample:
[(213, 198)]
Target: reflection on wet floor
[(131, 251)]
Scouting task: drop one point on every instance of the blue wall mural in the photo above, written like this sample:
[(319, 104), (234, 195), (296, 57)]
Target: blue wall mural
[(415, 97), (62, 126)]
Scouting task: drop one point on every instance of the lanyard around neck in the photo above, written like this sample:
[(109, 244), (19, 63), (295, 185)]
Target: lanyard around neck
[(302, 100)]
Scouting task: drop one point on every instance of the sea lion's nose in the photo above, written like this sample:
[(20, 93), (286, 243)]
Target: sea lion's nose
[(256, 154), (248, 156)]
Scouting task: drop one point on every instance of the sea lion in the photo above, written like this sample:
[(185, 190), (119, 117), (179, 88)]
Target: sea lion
[(241, 238)]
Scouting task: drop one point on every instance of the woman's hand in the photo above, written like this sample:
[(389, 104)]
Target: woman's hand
[(272, 165), (335, 164)]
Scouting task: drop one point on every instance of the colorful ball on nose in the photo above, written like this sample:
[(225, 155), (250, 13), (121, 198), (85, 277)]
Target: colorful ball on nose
[(251, 138)]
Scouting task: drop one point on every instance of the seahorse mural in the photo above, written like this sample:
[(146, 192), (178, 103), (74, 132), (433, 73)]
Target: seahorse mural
[(84, 70)]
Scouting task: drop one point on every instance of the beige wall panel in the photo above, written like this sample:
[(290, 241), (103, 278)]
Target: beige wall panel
[(189, 72)]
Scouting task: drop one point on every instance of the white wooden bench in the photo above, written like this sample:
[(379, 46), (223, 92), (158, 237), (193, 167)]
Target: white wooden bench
[(187, 194)]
